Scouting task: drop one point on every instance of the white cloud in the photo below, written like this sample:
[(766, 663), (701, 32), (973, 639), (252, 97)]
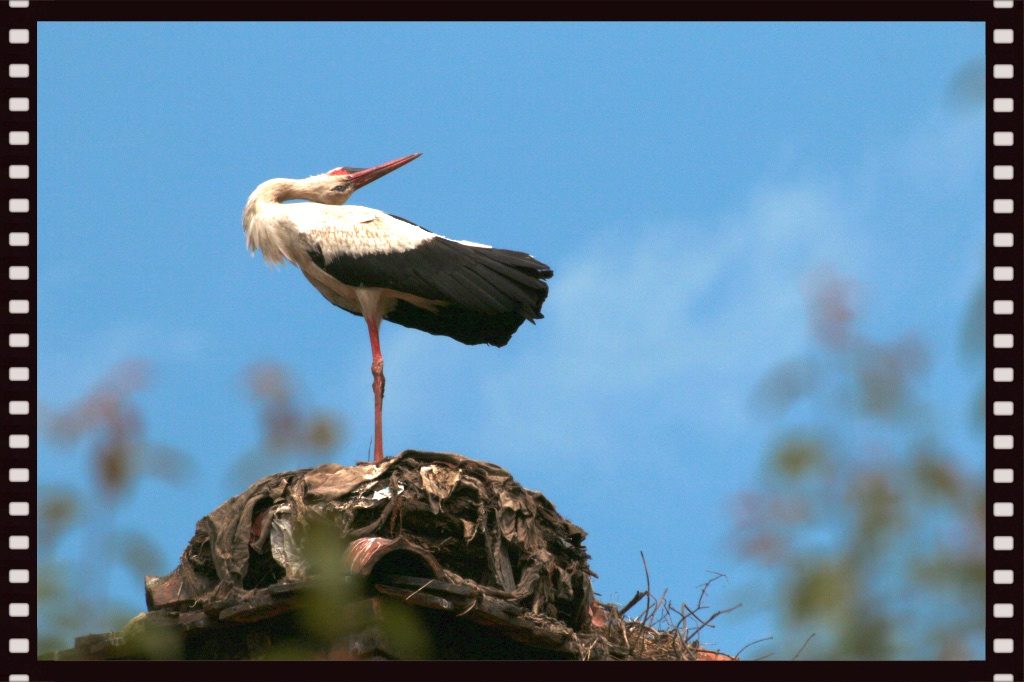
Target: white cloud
[(665, 324)]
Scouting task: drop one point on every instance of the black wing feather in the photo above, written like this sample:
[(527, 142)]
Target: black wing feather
[(485, 294)]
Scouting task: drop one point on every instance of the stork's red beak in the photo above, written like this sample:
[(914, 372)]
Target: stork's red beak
[(364, 176)]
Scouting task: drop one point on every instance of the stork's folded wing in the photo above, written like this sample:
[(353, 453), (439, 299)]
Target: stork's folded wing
[(483, 294)]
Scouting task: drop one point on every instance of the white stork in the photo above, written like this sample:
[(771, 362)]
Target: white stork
[(383, 267)]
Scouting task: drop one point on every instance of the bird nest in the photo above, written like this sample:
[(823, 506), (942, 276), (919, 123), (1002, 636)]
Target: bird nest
[(494, 570), (456, 520)]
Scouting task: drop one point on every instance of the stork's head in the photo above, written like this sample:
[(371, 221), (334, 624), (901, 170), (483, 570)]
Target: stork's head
[(337, 185)]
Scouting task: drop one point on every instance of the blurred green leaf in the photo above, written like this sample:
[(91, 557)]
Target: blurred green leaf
[(798, 455), (333, 607), (48, 643), (153, 642), (877, 506), (59, 508), (324, 432), (51, 582), (819, 589), (866, 633), (115, 466), (404, 632), (935, 475), (946, 569)]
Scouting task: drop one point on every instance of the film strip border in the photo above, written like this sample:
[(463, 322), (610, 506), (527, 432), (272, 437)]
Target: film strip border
[(19, 325), (1004, 329), (1004, 161)]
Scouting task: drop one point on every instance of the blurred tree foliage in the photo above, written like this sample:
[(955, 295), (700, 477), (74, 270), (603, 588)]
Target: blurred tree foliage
[(872, 534), (83, 536), (292, 436)]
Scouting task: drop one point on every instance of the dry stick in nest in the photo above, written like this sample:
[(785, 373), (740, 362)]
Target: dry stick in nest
[(663, 608), (420, 589), (756, 641), (700, 606), (677, 627), (707, 623), (704, 590), (803, 646), (647, 577), (680, 628), (647, 608), (632, 602), (472, 605)]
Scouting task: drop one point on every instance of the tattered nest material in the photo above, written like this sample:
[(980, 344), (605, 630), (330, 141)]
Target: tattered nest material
[(468, 520)]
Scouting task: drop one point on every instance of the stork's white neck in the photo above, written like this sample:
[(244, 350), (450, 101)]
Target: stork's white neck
[(278, 190), (262, 223)]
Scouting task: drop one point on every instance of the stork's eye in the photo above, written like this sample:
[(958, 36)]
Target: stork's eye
[(339, 188)]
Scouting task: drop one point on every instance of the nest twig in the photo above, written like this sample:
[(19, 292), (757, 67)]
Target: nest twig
[(661, 632)]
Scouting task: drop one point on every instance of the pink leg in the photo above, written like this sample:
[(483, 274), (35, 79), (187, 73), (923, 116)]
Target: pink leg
[(377, 368)]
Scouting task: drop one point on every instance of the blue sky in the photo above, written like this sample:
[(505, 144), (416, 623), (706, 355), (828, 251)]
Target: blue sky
[(683, 180)]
